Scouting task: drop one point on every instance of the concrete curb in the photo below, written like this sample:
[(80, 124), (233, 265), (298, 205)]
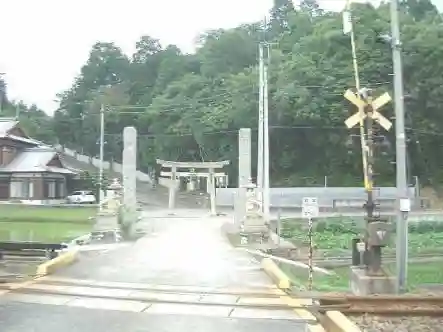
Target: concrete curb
[(284, 283), (276, 274), (64, 259), (334, 321)]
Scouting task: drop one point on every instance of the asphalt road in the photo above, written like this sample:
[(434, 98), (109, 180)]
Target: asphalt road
[(21, 317), (177, 252)]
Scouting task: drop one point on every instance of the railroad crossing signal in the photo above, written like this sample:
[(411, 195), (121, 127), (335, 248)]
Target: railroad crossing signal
[(361, 104)]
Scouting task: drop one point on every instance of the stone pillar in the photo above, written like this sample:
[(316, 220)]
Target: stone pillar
[(192, 181), (244, 170), (129, 175), (244, 156), (208, 185), (172, 188), (211, 181)]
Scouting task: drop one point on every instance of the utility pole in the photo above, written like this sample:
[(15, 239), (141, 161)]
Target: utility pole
[(266, 185), (260, 161), (402, 186), (102, 145)]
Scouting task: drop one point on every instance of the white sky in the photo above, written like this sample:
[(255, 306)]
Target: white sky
[(44, 43)]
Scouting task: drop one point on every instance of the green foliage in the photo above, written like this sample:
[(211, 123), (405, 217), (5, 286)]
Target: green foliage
[(419, 274), (36, 123), (350, 226), (90, 181), (190, 106), (333, 237), (426, 227)]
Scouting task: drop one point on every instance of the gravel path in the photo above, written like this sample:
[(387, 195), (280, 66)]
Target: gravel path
[(369, 323)]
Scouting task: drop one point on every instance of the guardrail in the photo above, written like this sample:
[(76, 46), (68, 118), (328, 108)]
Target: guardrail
[(328, 197)]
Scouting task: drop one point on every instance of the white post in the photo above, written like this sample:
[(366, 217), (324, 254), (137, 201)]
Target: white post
[(102, 144), (310, 263), (208, 185), (309, 211)]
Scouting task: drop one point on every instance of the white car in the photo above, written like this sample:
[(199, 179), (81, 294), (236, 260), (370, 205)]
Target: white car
[(81, 197)]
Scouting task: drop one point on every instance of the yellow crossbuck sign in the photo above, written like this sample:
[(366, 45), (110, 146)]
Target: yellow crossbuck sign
[(361, 115)]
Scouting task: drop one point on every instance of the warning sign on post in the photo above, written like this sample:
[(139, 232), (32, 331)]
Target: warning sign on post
[(310, 207)]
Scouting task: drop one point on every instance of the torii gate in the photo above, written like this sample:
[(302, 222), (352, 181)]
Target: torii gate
[(172, 181)]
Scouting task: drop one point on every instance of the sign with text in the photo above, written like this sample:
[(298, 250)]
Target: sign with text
[(310, 207)]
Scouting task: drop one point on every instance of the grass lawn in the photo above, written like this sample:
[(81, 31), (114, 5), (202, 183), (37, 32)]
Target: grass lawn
[(418, 274), (53, 232), (43, 223), (41, 213)]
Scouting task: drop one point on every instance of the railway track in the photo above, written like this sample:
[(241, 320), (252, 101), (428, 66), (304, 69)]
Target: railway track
[(71, 291), (383, 310), (386, 305), (386, 256), (382, 313)]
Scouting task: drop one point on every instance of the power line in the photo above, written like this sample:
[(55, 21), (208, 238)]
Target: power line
[(191, 104), (235, 131)]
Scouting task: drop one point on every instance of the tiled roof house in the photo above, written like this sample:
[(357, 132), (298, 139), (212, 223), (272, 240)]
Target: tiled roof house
[(30, 171)]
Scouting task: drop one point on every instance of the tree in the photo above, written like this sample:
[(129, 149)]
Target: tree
[(419, 9), (279, 15), (190, 106), (312, 7), (227, 51)]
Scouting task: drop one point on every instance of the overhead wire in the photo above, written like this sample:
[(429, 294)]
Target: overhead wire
[(192, 103), (235, 131)]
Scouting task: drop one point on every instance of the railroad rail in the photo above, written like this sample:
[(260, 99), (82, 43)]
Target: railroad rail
[(229, 300), (438, 254), (386, 305)]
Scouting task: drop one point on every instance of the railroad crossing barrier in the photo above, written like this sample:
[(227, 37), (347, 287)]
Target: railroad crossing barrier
[(39, 249), (51, 266), (22, 245), (20, 248)]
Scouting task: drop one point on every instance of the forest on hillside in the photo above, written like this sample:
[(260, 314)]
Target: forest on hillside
[(190, 106)]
